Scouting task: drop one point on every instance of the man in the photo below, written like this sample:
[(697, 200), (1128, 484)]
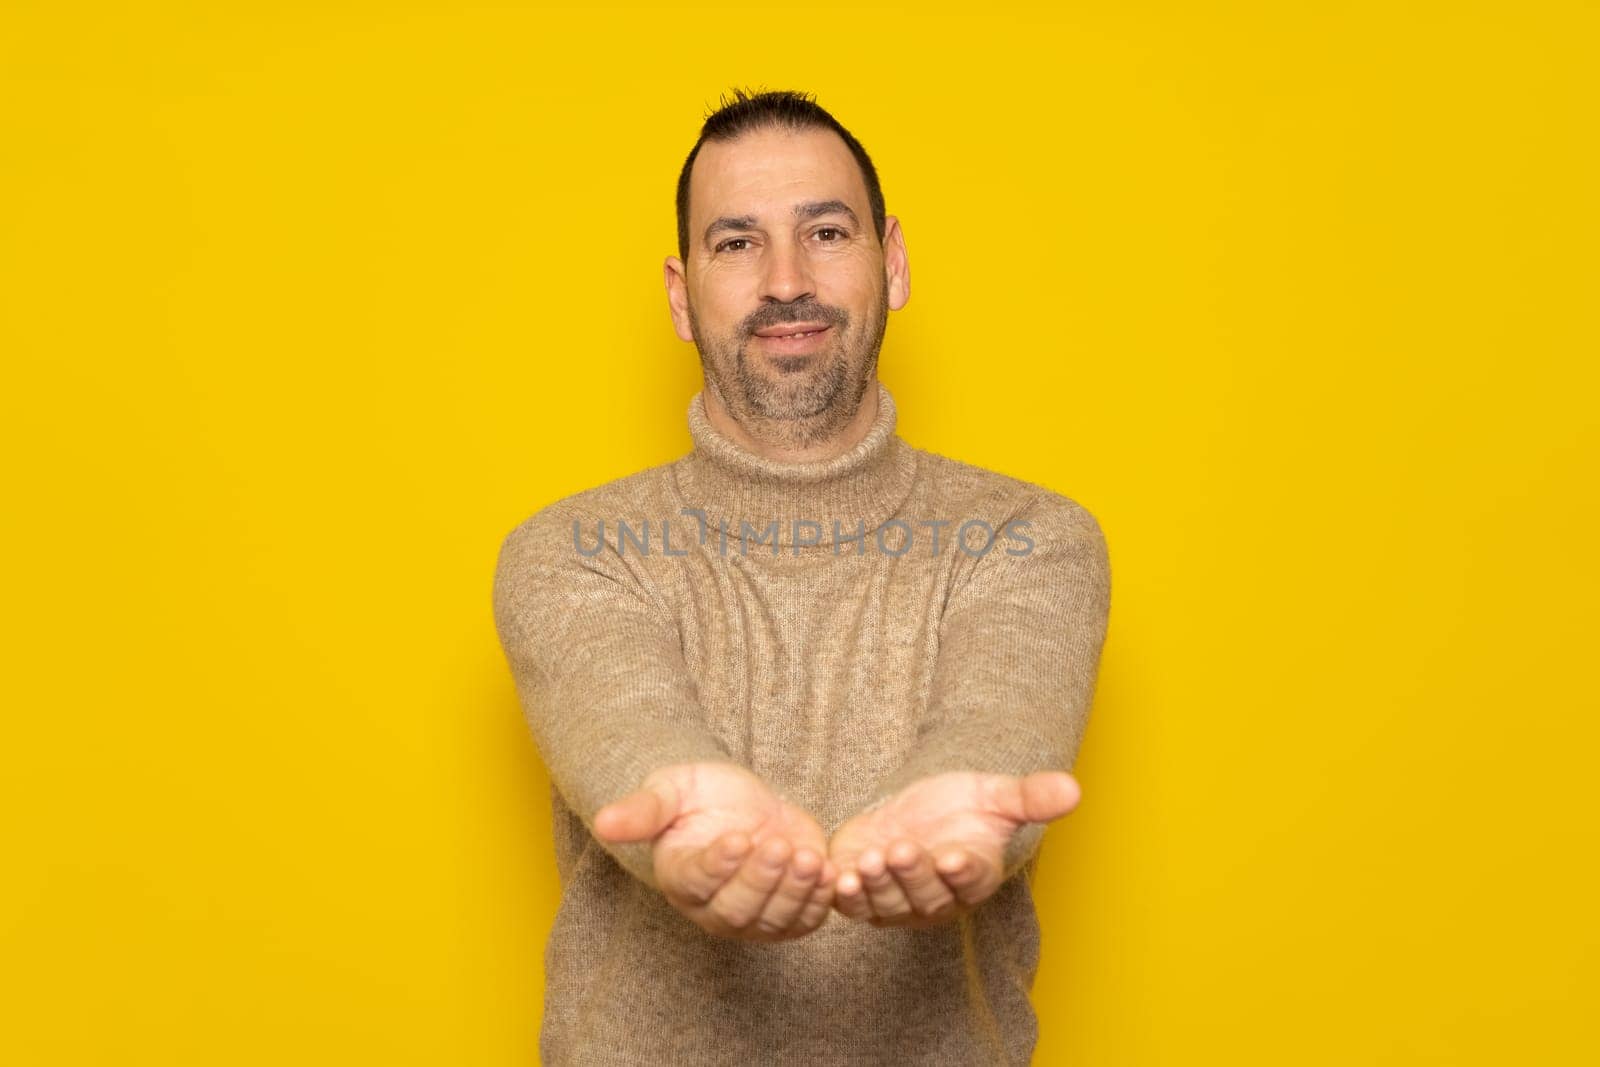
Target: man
[(808, 695)]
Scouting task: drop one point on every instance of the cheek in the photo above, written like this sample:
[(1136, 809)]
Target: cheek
[(721, 305), (864, 275), (858, 294)]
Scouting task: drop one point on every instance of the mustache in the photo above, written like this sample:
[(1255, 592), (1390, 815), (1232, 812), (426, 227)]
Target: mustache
[(783, 315)]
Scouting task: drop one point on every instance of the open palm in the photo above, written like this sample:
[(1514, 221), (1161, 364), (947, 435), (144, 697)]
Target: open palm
[(727, 851), (935, 849)]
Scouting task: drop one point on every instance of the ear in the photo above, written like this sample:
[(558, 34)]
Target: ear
[(677, 278), (896, 263)]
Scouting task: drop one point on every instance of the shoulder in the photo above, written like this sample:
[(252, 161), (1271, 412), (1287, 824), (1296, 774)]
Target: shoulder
[(548, 532), (550, 564), (965, 491)]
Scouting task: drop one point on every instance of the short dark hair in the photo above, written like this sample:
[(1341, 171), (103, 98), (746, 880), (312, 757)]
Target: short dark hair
[(772, 109)]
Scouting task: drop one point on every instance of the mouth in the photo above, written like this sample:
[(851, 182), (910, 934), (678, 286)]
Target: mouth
[(803, 337)]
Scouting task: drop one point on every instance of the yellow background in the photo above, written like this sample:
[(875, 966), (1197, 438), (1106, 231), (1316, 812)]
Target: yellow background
[(305, 305)]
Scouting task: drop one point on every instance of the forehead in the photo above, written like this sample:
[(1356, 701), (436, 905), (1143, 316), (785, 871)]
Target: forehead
[(766, 170)]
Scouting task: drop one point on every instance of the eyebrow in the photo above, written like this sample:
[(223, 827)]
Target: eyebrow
[(806, 209)]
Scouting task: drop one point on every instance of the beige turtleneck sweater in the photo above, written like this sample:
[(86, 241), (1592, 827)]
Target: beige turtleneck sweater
[(839, 671)]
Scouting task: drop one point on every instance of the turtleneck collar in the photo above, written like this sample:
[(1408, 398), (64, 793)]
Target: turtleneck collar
[(865, 485)]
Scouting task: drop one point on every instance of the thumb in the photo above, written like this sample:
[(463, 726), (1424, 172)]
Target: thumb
[(1037, 797), (640, 816)]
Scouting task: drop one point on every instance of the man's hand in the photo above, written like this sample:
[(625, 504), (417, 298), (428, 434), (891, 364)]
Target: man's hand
[(728, 852), (934, 850)]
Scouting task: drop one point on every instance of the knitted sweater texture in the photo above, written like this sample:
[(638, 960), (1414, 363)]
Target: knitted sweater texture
[(842, 628)]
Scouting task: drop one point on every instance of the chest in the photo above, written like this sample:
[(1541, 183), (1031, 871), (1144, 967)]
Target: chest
[(816, 671)]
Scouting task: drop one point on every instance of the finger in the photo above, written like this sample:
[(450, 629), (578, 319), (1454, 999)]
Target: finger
[(850, 896), (639, 816), (816, 909), (966, 873), (741, 899), (793, 893), (888, 902), (1038, 797), (912, 867), (704, 871)]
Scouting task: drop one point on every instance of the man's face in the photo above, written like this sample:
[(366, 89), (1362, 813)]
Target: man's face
[(780, 241)]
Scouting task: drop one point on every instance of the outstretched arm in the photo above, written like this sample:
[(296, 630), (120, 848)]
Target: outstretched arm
[(1019, 653), (599, 670), (601, 675)]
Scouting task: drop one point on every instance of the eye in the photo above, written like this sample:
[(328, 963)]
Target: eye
[(731, 241), (832, 229)]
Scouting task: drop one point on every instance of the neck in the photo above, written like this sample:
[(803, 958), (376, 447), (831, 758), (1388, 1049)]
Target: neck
[(792, 442), (864, 478)]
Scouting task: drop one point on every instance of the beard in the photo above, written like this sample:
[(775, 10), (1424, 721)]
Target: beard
[(795, 402)]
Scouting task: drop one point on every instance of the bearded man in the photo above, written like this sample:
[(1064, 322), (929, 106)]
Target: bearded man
[(808, 695)]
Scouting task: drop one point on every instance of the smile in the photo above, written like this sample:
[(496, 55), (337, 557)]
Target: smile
[(799, 341)]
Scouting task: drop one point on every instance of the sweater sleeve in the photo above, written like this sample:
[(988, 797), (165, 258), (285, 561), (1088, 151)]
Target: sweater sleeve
[(599, 670), (1020, 639)]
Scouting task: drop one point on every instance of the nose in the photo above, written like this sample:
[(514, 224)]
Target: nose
[(787, 276)]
